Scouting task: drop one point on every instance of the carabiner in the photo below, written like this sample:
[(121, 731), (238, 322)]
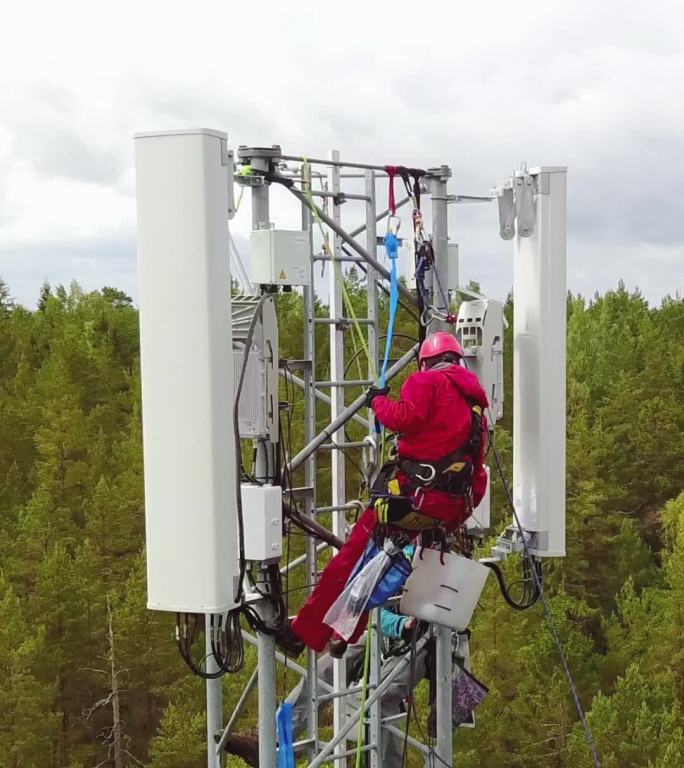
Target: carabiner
[(391, 218), (427, 315), (430, 477)]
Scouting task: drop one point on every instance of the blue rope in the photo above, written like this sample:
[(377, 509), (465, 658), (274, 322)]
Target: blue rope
[(285, 736), (392, 248)]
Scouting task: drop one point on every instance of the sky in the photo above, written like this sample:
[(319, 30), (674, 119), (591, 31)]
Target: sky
[(482, 87)]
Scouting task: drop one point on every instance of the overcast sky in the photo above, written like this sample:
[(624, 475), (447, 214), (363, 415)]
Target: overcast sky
[(596, 86)]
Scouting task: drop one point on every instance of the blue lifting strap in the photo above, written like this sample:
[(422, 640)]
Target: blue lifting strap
[(285, 736), (392, 248)]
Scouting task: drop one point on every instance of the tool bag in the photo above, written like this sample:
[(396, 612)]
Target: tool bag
[(391, 581), (467, 693), (443, 588), (344, 614)]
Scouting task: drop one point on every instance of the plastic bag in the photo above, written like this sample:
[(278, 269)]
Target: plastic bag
[(467, 693), (372, 549), (344, 614), (393, 578), (391, 582)]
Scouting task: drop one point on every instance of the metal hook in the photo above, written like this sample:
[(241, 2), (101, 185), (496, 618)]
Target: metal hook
[(391, 218)]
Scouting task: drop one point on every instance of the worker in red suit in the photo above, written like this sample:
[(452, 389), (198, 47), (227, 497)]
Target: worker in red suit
[(436, 480)]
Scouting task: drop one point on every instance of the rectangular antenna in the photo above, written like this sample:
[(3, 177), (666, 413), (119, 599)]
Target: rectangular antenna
[(539, 359), (187, 370)]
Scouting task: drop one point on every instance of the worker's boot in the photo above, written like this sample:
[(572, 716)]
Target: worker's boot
[(337, 647), (244, 745), (288, 642)]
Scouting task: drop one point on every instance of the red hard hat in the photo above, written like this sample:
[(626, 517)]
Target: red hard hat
[(437, 344)]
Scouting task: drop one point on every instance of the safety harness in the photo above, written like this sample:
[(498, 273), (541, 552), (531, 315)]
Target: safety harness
[(453, 473), (398, 490)]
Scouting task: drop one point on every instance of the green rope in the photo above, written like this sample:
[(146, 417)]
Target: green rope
[(364, 691), (345, 292)]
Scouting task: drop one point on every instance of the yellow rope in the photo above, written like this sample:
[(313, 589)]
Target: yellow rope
[(345, 293), (364, 691)]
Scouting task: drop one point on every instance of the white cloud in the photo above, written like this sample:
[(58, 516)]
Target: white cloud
[(594, 86), (39, 209)]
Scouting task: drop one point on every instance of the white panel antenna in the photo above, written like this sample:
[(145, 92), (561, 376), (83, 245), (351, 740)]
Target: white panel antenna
[(187, 370), (539, 358)]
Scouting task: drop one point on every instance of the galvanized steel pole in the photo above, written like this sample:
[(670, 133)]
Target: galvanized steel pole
[(337, 459), (263, 470), (437, 182), (440, 299), (214, 690), (375, 714), (311, 393)]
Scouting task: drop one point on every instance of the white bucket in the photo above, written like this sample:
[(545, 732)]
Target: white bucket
[(443, 588)]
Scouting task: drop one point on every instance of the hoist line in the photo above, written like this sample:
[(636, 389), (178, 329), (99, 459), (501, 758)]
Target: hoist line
[(549, 617), (346, 298), (364, 691)]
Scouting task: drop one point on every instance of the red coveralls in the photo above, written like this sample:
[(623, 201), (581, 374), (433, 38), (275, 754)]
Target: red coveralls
[(434, 420)]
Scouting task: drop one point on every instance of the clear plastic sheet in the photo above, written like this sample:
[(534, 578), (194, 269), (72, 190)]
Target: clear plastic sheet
[(344, 614)]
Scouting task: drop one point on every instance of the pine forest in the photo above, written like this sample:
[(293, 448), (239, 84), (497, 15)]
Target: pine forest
[(89, 677)]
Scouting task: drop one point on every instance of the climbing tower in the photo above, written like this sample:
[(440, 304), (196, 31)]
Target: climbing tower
[(211, 371)]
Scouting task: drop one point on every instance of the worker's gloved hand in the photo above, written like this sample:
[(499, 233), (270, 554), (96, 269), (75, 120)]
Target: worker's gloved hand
[(407, 629), (374, 392)]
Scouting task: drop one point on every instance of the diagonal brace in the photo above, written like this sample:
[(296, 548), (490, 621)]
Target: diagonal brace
[(347, 414), (362, 252)]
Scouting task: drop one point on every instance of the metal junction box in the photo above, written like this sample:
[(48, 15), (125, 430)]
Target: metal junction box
[(262, 515), (479, 328), (280, 257), (258, 406), (253, 417)]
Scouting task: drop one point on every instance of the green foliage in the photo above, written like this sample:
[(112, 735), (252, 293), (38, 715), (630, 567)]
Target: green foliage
[(28, 723), (6, 301), (639, 724), (72, 527), (180, 743)]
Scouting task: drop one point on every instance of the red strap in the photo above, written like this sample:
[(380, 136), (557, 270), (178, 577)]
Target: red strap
[(392, 171)]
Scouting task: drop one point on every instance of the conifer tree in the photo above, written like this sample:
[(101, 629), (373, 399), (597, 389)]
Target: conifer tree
[(28, 721)]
